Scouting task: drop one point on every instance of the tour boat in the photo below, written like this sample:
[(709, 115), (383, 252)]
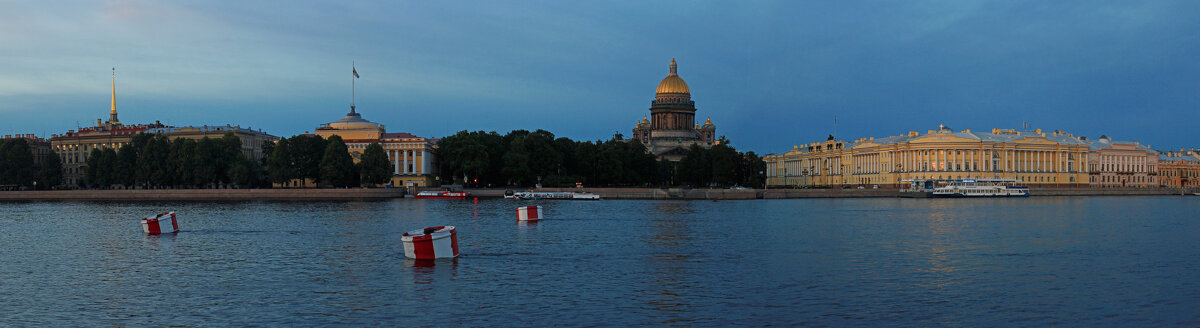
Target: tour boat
[(981, 188), (433, 194), (556, 195)]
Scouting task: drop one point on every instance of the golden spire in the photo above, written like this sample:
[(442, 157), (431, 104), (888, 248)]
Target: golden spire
[(673, 72), (112, 113)]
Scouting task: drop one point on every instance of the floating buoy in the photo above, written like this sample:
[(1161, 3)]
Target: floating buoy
[(161, 223), (529, 213), (431, 243)]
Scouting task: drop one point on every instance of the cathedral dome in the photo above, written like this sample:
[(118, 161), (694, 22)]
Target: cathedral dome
[(673, 83)]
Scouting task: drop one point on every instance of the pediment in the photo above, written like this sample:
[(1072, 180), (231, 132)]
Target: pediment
[(1036, 140), (940, 138)]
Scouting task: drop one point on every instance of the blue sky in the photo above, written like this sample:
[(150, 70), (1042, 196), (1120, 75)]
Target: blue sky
[(769, 74)]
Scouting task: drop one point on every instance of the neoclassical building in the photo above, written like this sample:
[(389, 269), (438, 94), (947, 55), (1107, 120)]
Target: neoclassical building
[(1179, 169), (1035, 157), (414, 159), (74, 146), (1120, 163), (671, 127)]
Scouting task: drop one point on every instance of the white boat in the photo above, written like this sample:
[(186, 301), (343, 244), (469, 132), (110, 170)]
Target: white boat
[(981, 188), (557, 195), (435, 194)]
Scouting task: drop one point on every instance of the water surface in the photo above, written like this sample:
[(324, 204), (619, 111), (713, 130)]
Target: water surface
[(1042, 261)]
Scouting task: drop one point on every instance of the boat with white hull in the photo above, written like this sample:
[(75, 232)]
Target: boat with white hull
[(981, 188), (555, 195)]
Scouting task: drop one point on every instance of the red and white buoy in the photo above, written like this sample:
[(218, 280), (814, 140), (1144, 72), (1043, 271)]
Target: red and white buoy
[(529, 213), (431, 243), (161, 223)]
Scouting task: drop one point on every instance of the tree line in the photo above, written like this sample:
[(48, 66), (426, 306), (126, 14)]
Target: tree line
[(17, 167), (326, 161), (522, 158), (152, 161)]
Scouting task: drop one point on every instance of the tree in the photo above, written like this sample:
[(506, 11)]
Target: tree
[(94, 174), (16, 163), (244, 172), (307, 152), (337, 168), (279, 163), (181, 160), (374, 167), (155, 163), (107, 168), (125, 167), (50, 175)]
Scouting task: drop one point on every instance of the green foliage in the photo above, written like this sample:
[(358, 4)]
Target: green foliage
[(182, 162), (337, 167), (153, 161), (51, 173), (522, 158), (307, 151), (374, 167), (94, 174), (16, 163), (280, 163)]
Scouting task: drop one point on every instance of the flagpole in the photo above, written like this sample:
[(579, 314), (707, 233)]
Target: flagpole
[(352, 87)]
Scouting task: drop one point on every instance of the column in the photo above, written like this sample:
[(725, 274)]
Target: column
[(426, 162), (405, 163), (396, 162)]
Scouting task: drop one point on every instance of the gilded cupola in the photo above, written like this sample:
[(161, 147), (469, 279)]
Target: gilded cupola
[(673, 85)]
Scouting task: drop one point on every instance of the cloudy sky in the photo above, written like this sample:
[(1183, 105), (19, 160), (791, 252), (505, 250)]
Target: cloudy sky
[(769, 74)]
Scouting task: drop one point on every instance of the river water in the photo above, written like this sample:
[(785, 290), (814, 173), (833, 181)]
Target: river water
[(1042, 261)]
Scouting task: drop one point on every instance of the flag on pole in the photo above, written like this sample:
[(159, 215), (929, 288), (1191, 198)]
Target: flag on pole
[(355, 71)]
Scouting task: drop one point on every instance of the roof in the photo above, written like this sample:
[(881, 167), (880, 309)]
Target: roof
[(1008, 136)]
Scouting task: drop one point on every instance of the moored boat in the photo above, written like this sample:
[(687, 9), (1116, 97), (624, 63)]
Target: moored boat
[(435, 194), (556, 195), (981, 188)]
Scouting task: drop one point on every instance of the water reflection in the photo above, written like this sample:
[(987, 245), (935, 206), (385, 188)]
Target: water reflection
[(431, 271)]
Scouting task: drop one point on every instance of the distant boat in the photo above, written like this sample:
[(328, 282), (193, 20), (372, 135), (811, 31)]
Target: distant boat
[(555, 195), (981, 188), (429, 194)]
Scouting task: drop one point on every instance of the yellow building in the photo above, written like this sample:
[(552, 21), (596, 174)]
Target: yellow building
[(413, 158), (1034, 157), (74, 146)]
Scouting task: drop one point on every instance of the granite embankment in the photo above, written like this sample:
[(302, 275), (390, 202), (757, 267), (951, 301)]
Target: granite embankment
[(206, 194), (730, 194)]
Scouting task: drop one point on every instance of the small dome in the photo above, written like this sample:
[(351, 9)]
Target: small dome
[(353, 121), (673, 83), (708, 124)]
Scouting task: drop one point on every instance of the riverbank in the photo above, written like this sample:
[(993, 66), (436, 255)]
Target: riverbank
[(206, 194), (605, 193), (732, 194)]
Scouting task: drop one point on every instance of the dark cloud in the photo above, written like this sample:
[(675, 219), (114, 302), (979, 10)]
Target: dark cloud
[(770, 74)]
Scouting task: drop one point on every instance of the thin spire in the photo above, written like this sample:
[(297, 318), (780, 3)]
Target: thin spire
[(673, 67), (112, 113)]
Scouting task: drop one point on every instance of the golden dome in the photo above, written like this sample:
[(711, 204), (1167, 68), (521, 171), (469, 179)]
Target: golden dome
[(673, 83)]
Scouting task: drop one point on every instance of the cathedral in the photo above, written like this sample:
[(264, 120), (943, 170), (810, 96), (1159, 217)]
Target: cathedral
[(671, 127)]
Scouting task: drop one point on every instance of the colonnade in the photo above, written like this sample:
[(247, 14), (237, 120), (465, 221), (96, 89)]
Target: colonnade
[(968, 160), (405, 161)]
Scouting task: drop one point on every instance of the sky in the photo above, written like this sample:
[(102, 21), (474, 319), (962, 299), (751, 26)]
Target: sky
[(770, 74)]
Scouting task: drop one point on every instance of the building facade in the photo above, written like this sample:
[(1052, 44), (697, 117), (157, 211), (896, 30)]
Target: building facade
[(413, 158), (252, 141), (37, 146), (1113, 164), (671, 127), (73, 147), (1179, 169), (1034, 157)]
